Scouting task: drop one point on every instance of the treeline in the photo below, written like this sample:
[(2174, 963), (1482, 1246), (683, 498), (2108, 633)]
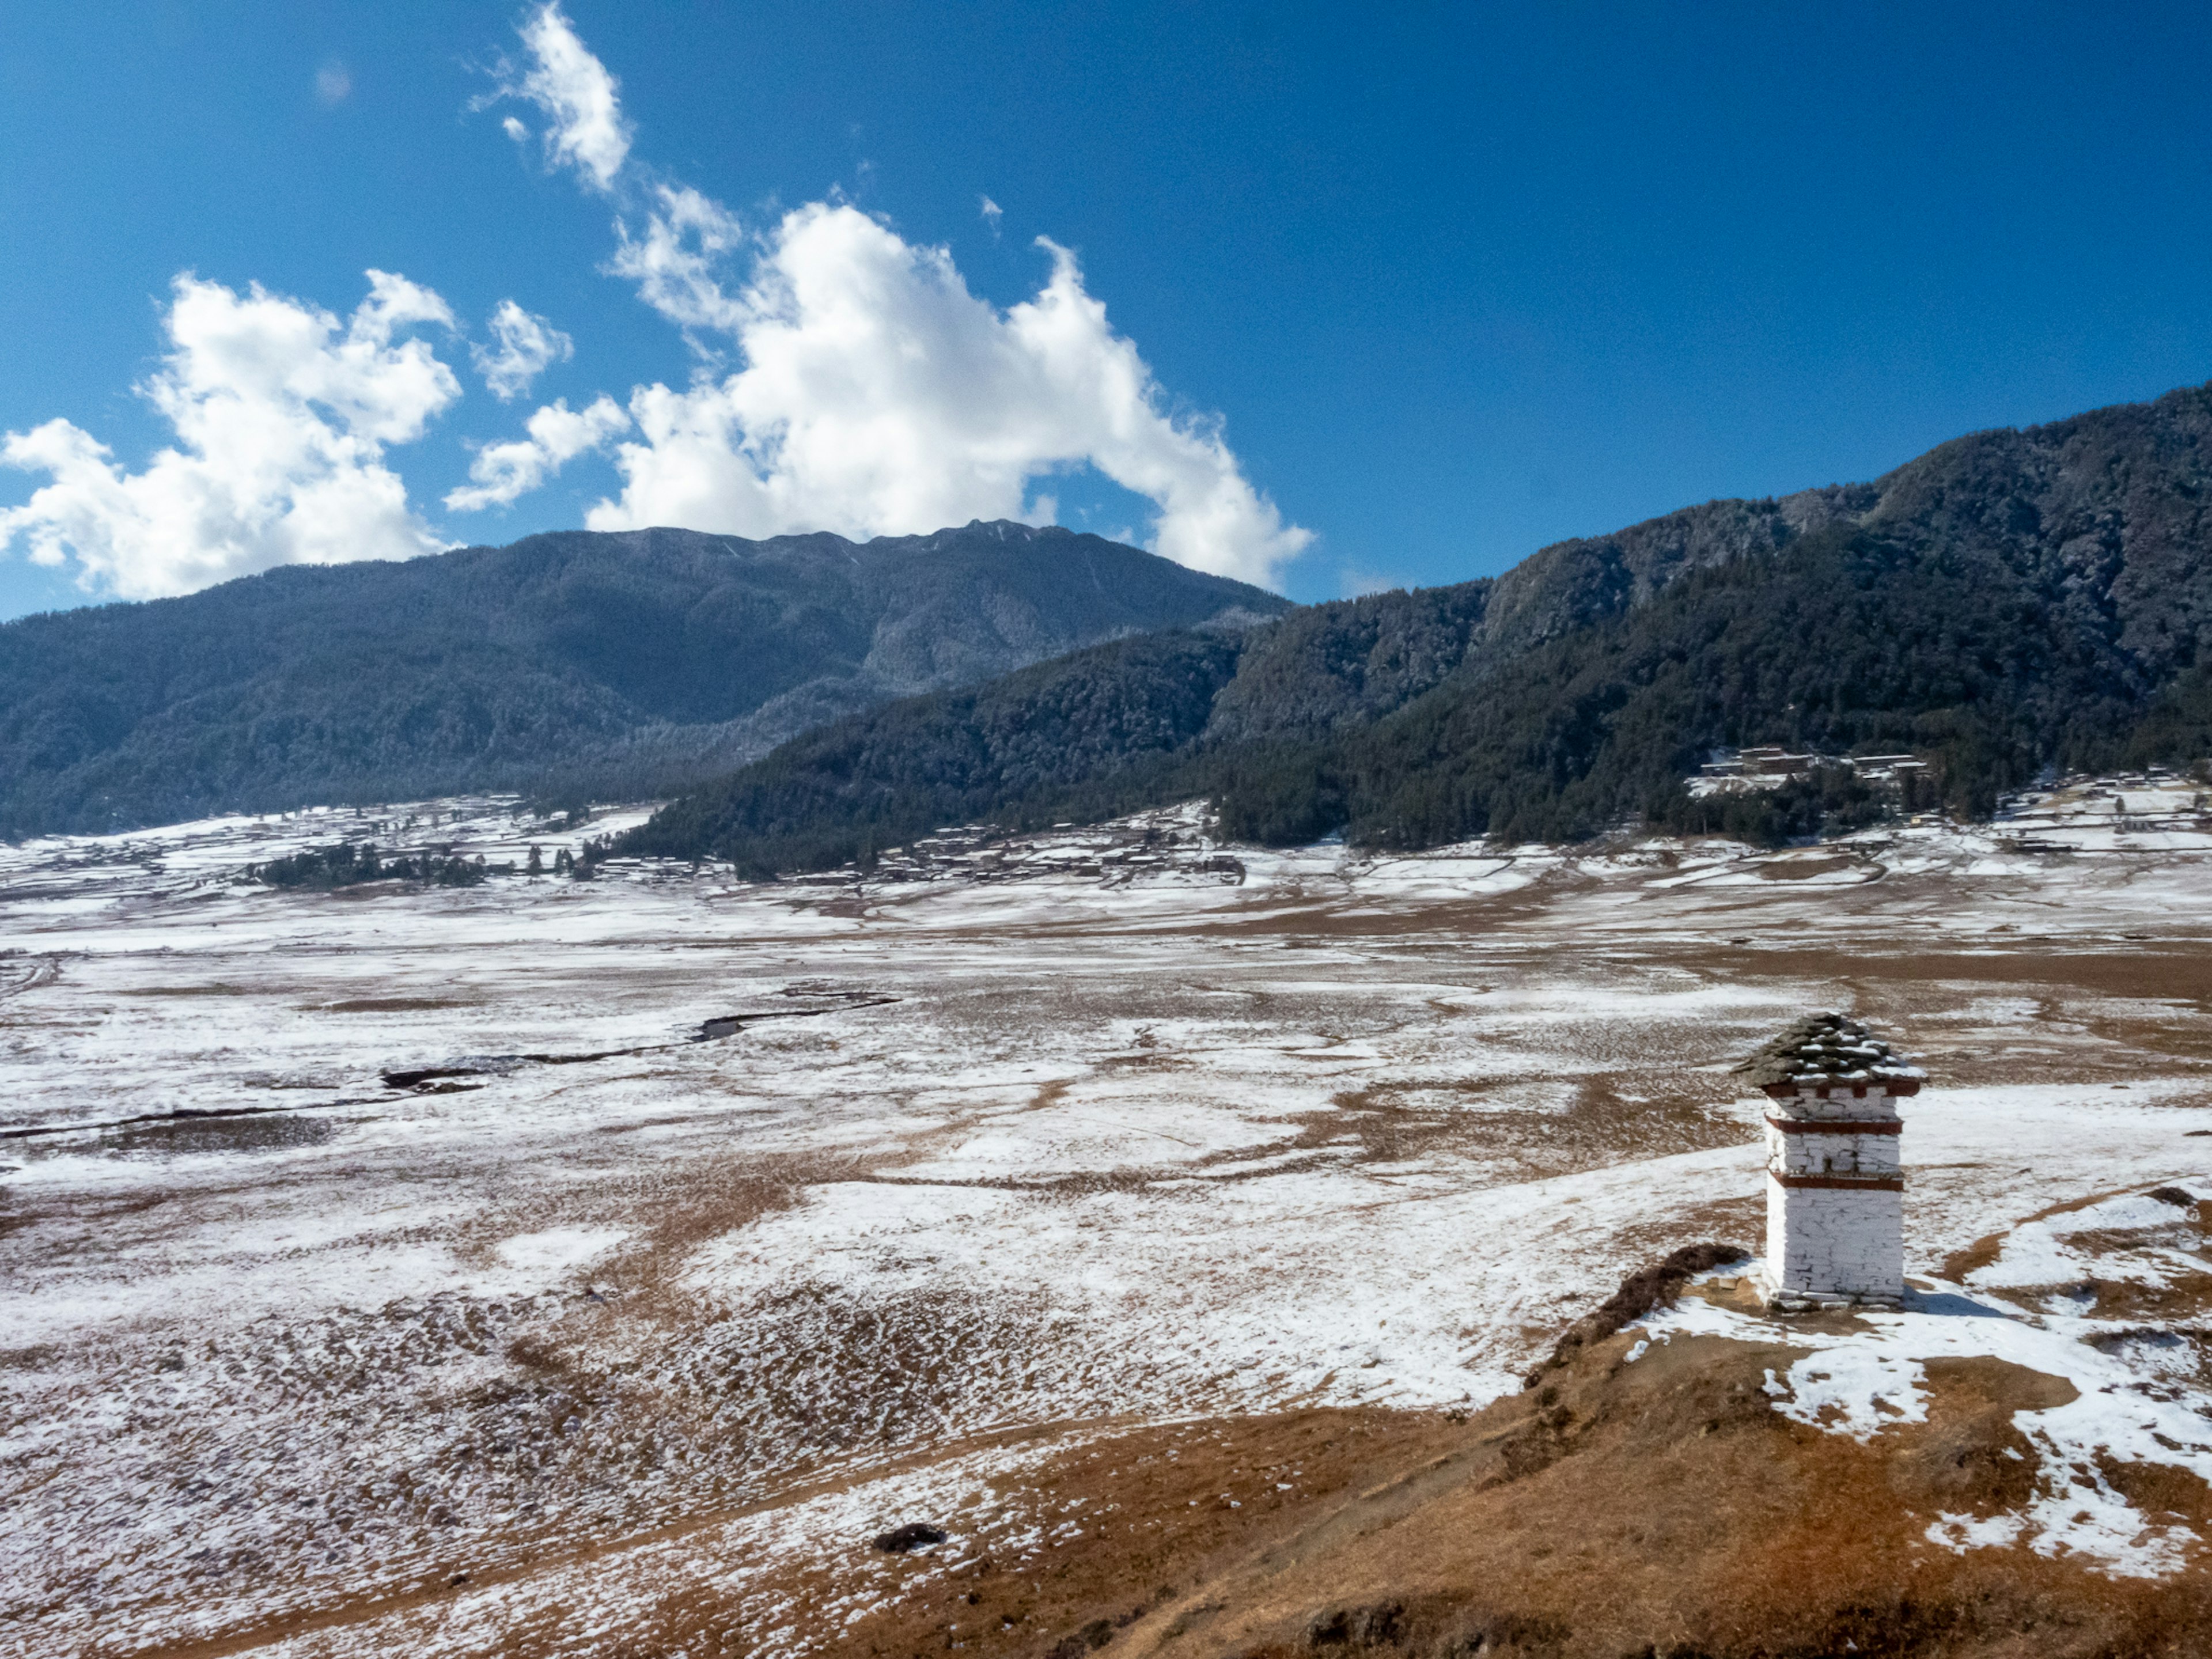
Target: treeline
[(1007, 752), (348, 864), (1848, 641)]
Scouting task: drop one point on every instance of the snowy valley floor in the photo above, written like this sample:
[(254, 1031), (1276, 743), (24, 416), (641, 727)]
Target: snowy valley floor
[(581, 1267)]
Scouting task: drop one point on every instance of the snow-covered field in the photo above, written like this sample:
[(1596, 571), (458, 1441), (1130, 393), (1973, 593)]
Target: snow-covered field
[(593, 1240)]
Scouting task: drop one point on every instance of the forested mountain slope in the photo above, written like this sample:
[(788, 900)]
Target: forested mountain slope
[(624, 663), (2009, 601)]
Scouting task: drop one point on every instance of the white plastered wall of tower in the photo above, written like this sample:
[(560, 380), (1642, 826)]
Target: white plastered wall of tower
[(1843, 1239), (1835, 1199), (1823, 1244)]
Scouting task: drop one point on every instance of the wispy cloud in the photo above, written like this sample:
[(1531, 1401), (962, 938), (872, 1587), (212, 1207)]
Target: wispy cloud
[(523, 346), (580, 101), (553, 436), (677, 259)]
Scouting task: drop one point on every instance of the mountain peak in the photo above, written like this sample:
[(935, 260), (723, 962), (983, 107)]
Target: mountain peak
[(625, 662)]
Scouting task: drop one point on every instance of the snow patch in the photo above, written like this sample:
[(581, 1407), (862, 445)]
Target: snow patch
[(556, 1248)]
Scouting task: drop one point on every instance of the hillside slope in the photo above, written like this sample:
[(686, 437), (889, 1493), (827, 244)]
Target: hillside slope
[(1958, 1479), (1965, 1479), (2009, 601), (620, 663)]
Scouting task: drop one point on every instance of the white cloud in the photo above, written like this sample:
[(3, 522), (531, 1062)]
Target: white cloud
[(282, 413), (992, 213), (674, 263), (587, 130), (880, 396), (875, 394), (557, 435), (527, 343), (333, 84)]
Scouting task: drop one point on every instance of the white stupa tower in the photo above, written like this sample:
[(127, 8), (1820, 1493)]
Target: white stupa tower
[(1835, 1184)]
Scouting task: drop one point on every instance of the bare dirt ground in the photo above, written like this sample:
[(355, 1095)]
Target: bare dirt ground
[(552, 1268)]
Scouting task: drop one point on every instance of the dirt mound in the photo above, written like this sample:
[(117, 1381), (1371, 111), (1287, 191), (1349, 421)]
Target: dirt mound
[(1639, 1293), (1664, 1507)]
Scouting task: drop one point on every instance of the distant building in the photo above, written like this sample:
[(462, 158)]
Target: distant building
[(1774, 762), (1835, 1183), (1747, 771)]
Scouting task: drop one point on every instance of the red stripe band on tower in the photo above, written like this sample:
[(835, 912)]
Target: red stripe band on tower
[(1842, 1183), (1897, 1088), (1812, 1126)]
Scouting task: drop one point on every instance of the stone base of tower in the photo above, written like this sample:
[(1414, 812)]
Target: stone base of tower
[(1833, 1246), (1781, 1299)]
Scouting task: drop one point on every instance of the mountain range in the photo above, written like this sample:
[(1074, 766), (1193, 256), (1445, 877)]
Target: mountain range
[(572, 663), (2010, 602)]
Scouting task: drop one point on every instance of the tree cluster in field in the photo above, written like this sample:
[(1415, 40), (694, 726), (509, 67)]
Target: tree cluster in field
[(584, 863), (570, 666), (350, 864), (2007, 603)]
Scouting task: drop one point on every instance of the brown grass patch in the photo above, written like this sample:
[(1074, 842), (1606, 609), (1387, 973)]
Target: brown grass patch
[(1663, 1507), (1601, 1126), (2163, 1491), (1805, 869), (1160, 1506), (1651, 1287), (2185, 1297)]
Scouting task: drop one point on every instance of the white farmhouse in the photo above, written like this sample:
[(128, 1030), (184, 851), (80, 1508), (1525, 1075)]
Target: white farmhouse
[(1835, 1186)]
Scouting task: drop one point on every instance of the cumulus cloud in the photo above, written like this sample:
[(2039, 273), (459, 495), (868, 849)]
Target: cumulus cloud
[(879, 395), (584, 126), (282, 413), (555, 435), (848, 380), (522, 345), (872, 394)]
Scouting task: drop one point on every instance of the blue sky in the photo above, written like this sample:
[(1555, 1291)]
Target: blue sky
[(1416, 290)]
